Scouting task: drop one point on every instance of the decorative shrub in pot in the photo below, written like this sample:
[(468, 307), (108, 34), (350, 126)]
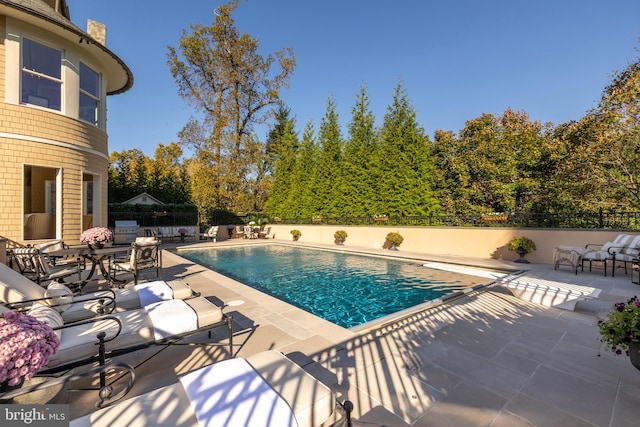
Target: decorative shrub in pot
[(340, 236), (393, 240), (522, 246), (296, 234)]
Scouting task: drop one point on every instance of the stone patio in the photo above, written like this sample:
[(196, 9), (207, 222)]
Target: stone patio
[(487, 359)]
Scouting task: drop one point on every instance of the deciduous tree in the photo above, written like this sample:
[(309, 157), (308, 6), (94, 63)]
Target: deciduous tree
[(221, 73)]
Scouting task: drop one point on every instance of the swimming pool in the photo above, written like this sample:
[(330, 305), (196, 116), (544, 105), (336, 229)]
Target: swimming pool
[(343, 288)]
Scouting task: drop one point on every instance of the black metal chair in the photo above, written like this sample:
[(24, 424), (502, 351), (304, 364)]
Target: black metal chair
[(145, 254)]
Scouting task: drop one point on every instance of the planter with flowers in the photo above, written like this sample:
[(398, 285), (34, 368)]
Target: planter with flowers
[(25, 346), (183, 232), (97, 237), (340, 236), (295, 234), (380, 218), (620, 331)]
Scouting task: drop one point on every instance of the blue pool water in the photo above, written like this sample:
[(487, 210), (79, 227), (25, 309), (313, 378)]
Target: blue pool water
[(346, 289)]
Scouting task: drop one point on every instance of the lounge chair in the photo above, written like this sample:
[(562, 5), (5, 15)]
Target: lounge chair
[(264, 389), (105, 337), (18, 292), (211, 233), (623, 249)]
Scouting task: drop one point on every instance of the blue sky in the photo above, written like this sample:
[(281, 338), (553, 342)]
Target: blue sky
[(456, 59)]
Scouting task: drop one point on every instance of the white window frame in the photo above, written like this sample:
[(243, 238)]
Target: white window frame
[(36, 100), (97, 99)]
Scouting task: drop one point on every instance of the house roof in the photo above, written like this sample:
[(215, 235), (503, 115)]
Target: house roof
[(43, 15), (148, 196)]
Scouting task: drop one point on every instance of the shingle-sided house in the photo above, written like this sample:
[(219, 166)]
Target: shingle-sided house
[(54, 83)]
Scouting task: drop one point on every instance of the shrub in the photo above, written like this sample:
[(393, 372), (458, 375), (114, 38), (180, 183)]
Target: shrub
[(394, 238), (340, 234), (526, 243)]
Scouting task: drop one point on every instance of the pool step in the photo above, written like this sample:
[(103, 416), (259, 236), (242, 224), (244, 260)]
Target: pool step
[(545, 292), (549, 293)]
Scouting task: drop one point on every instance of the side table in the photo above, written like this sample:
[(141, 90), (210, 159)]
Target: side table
[(635, 271)]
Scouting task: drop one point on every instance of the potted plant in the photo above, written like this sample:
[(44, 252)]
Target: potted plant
[(96, 237), (393, 240), (521, 245), (296, 234), (25, 346), (340, 236), (620, 331)]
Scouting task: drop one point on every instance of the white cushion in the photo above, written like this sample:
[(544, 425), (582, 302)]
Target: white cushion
[(47, 315), (15, 287), (56, 289)]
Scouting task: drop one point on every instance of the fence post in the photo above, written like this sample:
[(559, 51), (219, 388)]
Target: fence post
[(601, 218)]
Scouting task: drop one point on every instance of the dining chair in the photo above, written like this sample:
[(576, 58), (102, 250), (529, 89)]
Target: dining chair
[(145, 254), (32, 264)]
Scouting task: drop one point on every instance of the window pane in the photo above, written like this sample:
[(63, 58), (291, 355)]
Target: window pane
[(41, 59), (88, 109), (89, 81), (40, 91)]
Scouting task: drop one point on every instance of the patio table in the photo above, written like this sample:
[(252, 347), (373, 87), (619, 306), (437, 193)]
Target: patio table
[(97, 256)]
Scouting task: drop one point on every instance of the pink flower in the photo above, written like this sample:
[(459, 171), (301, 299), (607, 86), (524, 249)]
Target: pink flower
[(96, 235), (25, 347)]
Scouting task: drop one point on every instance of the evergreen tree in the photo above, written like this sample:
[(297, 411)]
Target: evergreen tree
[(282, 148), (300, 204), (405, 163), (327, 196), (358, 163)]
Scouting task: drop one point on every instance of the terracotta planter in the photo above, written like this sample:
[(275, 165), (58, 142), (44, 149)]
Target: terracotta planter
[(495, 218)]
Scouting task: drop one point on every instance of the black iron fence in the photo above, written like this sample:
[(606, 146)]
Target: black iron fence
[(586, 220), (155, 219)]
